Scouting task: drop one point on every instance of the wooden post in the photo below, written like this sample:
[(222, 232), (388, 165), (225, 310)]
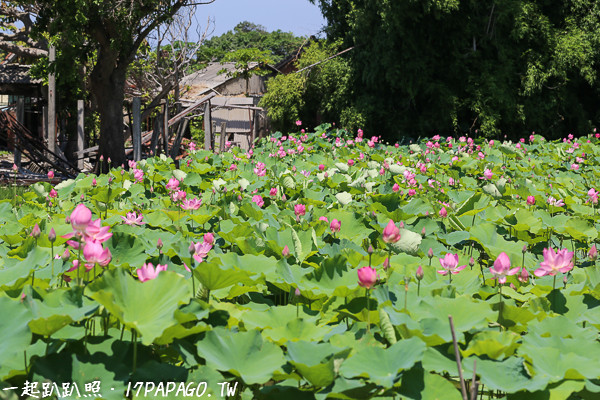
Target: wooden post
[(45, 124), (165, 129), (52, 106), (21, 119), (136, 133), (80, 132), (155, 135), (222, 137), (207, 127)]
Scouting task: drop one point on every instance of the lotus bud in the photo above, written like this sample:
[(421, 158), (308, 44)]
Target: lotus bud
[(430, 253), (471, 262), (65, 255), (593, 253), (370, 249), (52, 235), (419, 274), (386, 264), (50, 174), (423, 231), (286, 251), (524, 249), (159, 244), (297, 292), (36, 232), (192, 248)]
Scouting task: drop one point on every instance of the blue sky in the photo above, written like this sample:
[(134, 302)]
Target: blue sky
[(297, 16)]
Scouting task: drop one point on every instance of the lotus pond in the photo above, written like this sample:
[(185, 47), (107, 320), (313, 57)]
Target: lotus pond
[(319, 265)]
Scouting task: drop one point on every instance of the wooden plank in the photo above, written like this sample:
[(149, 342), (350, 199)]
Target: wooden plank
[(21, 119), (177, 143), (80, 131), (191, 108), (136, 135), (207, 127), (222, 137), (52, 105), (165, 127)]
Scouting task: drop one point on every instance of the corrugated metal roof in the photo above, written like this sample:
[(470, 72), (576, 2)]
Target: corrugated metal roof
[(202, 81), (16, 74)]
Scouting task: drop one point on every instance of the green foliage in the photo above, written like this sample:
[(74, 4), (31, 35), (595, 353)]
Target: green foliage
[(245, 35), (509, 66), (321, 92)]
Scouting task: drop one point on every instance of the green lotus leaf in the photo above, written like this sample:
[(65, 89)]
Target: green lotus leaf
[(381, 366), (243, 354), (147, 307), (15, 335)]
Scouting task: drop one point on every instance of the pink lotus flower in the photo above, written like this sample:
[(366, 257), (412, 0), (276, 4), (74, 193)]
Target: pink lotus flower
[(450, 264), (593, 195), (443, 212), (147, 272), (323, 219), (396, 187), (286, 251), (367, 277), (335, 225), (258, 200), (530, 200), (138, 175), (133, 219), (95, 253), (501, 268), (201, 250), (191, 204), (553, 202), (419, 274), (80, 218), (50, 174), (208, 238), (593, 253), (178, 195), (52, 235), (523, 276), (298, 123), (487, 174), (273, 192), (321, 167), (554, 262), (173, 184), (52, 193), (299, 210), (391, 233), (94, 231), (350, 162)]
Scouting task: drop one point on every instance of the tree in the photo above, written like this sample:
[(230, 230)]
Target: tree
[(243, 59), (107, 36), (509, 66), (249, 35), (320, 91)]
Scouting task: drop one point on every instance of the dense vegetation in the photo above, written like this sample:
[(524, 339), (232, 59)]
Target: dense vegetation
[(506, 67), (319, 265)]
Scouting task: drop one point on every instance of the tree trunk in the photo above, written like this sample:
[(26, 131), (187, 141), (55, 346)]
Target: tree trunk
[(108, 84)]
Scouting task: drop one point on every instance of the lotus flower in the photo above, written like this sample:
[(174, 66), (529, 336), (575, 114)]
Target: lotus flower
[(299, 209), (50, 174), (501, 268), (391, 233), (450, 264), (172, 185), (95, 231), (201, 250), (443, 212), (80, 218), (147, 272), (487, 174), (133, 219), (554, 262), (52, 193), (273, 192), (191, 204), (95, 253), (523, 276), (530, 200), (593, 253), (367, 277), (258, 200), (593, 195), (323, 218), (335, 225)]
